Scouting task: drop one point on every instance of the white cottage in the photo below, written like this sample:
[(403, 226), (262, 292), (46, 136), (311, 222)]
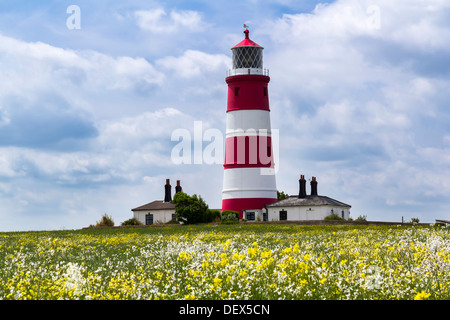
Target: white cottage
[(309, 208), (301, 207), (158, 211)]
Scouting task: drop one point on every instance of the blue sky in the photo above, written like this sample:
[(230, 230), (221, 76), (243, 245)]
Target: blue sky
[(358, 92)]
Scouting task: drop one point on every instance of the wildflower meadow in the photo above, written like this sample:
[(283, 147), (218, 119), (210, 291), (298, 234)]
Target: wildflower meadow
[(243, 261)]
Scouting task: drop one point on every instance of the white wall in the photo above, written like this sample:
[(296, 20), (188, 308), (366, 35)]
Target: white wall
[(258, 214), (159, 216), (307, 213)]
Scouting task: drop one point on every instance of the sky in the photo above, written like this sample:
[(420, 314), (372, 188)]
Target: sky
[(92, 91)]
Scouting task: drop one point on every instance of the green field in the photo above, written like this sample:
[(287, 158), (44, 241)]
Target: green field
[(243, 261)]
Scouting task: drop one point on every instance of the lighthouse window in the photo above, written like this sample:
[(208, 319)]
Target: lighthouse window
[(265, 92), (236, 91)]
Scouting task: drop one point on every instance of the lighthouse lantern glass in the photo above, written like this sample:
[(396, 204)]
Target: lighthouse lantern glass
[(247, 57)]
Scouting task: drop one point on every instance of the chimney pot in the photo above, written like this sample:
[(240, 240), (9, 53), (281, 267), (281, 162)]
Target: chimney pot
[(178, 187), (167, 191), (302, 182), (314, 186)]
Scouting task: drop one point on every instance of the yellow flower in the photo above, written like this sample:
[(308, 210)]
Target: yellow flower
[(422, 295), (252, 251), (182, 256), (242, 273), (217, 281), (266, 254), (322, 281)]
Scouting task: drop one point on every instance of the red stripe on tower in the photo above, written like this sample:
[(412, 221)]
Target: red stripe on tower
[(248, 144)]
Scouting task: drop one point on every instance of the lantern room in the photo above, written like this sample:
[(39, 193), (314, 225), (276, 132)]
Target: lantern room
[(247, 57)]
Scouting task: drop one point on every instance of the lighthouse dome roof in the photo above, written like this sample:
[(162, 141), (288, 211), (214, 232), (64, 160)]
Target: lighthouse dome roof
[(247, 42)]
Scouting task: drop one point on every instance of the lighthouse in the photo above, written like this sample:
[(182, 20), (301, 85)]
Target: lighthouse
[(249, 176)]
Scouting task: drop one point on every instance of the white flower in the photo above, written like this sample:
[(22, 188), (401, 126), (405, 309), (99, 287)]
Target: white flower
[(74, 277)]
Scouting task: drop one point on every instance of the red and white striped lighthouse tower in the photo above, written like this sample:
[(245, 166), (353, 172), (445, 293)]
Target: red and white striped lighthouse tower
[(249, 177)]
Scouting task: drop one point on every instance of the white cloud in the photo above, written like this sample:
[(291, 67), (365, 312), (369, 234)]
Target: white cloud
[(36, 65), (157, 20), (151, 19), (193, 63)]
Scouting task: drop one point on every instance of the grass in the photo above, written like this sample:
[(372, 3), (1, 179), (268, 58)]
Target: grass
[(243, 261)]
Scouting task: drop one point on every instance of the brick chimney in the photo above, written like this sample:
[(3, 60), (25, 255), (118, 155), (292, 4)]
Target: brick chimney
[(302, 182), (314, 186), (167, 191), (178, 187)]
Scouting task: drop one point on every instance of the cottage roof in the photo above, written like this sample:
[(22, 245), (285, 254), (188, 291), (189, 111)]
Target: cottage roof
[(156, 205), (308, 201)]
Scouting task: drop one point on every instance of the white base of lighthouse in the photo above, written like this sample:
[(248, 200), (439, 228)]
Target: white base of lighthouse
[(247, 188)]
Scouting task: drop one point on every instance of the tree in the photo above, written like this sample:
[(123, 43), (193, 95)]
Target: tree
[(281, 195), (192, 209)]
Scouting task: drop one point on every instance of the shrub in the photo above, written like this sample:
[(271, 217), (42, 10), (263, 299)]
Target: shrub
[(105, 221), (229, 216), (361, 218), (212, 214), (415, 220), (131, 222), (333, 216)]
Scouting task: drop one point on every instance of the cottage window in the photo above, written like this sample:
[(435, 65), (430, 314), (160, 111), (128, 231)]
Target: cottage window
[(283, 215), (250, 215), (149, 218)]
